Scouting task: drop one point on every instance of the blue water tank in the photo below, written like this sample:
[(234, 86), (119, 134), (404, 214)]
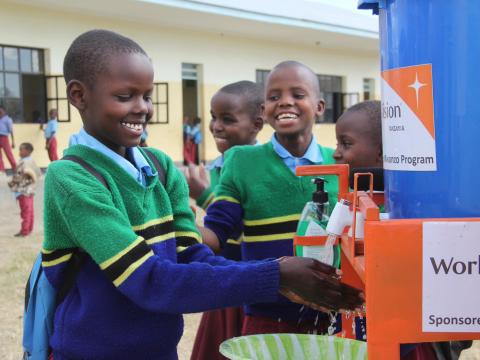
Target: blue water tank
[(430, 51)]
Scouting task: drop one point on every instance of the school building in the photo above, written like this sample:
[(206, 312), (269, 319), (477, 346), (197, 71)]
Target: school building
[(195, 46)]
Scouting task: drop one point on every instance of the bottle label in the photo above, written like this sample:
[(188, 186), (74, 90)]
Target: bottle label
[(323, 254)]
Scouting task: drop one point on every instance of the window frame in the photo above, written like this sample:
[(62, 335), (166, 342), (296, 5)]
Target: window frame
[(19, 117), (57, 99), (157, 104)]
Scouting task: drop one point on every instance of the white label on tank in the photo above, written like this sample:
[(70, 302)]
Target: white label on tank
[(451, 277), (408, 127)]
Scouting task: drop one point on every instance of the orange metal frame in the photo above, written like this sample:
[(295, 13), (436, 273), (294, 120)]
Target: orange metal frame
[(388, 268)]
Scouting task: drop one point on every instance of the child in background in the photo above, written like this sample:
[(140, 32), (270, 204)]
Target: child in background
[(236, 120), (359, 136), (260, 195), (145, 264), (23, 185), (192, 137), (51, 134), (197, 137), (6, 129)]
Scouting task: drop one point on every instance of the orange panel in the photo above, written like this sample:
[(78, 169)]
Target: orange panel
[(393, 264)]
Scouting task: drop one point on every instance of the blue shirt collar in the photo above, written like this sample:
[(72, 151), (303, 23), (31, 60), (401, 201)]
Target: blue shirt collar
[(137, 171), (312, 155), (218, 162)]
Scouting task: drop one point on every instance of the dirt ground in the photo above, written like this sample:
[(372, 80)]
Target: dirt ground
[(16, 259)]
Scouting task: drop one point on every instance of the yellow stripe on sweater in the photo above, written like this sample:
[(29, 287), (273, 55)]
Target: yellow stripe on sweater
[(272, 237), (226, 198), (118, 281), (191, 234), (117, 256), (208, 201), (273, 220), (160, 238), (153, 222), (181, 248), (57, 261), (235, 242)]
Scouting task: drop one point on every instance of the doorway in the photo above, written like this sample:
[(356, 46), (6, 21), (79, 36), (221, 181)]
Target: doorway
[(192, 153)]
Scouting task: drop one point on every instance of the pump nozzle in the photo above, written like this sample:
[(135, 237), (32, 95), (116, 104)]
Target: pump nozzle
[(340, 218), (320, 196)]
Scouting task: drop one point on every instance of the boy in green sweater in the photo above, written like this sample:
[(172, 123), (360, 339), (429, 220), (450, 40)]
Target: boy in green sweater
[(236, 119), (144, 264), (260, 195)]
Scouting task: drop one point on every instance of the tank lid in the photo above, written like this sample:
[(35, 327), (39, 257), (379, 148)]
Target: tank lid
[(373, 5)]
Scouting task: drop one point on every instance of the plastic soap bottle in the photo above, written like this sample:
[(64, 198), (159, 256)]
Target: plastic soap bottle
[(313, 222)]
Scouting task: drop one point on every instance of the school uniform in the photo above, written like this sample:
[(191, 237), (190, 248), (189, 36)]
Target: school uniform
[(6, 128), (265, 202), (23, 185), (50, 136), (138, 234)]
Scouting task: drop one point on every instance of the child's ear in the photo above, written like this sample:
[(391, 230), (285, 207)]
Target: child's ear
[(258, 124), (76, 92), (320, 107)]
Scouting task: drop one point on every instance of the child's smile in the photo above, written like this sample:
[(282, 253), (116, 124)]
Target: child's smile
[(291, 103), (119, 104), (231, 124)]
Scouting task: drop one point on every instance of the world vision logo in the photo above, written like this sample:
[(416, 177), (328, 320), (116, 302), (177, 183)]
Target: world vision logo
[(413, 85)]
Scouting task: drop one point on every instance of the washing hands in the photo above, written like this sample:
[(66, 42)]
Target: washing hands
[(311, 283)]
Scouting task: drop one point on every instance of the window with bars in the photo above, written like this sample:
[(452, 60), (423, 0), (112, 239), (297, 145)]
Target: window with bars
[(368, 89), (160, 103), (22, 83), (261, 76), (57, 97)]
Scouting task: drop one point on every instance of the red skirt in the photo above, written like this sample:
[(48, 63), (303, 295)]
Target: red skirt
[(189, 152), (215, 327)]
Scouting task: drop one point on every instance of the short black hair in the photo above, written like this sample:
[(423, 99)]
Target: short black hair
[(89, 54), (251, 92), (313, 77), (27, 146), (373, 110)]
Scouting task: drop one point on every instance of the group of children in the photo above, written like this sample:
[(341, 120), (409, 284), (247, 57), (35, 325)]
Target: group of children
[(254, 200), (147, 261)]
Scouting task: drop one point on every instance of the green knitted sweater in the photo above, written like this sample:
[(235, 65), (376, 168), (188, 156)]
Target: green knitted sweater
[(260, 195), (145, 264)]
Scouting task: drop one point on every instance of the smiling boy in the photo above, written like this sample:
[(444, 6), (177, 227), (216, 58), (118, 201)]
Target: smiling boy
[(260, 194), (144, 264)]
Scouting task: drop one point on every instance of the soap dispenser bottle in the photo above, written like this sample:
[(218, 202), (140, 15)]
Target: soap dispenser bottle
[(313, 222)]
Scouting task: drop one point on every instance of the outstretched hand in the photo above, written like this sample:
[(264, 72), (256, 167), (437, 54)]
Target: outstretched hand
[(198, 180), (317, 285)]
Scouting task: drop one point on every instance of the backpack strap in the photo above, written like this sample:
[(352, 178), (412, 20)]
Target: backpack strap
[(78, 257), (158, 167), (87, 167)]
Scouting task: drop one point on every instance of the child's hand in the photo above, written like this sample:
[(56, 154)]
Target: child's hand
[(198, 179), (312, 283)]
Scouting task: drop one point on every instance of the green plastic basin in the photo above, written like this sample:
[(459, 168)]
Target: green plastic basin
[(293, 346)]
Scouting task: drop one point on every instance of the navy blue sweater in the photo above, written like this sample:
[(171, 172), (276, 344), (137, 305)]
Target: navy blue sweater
[(145, 265)]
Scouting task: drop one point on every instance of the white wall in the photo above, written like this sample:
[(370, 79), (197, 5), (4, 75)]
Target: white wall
[(224, 59)]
